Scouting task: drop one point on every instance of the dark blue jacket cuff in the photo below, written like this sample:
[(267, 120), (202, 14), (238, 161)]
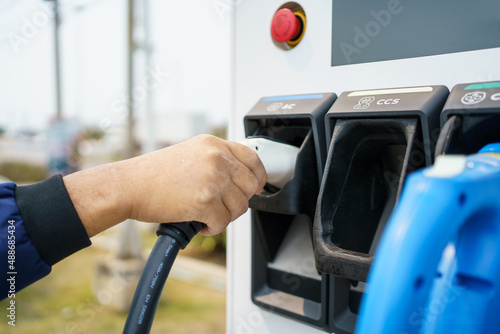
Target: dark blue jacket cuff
[(51, 220)]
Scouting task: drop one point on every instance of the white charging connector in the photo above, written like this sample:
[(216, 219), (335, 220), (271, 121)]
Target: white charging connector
[(278, 159)]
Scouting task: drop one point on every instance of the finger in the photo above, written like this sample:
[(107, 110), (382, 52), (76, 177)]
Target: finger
[(231, 206), (217, 220), (236, 202), (243, 178), (251, 160)]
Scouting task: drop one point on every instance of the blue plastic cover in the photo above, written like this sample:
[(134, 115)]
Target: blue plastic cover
[(437, 267)]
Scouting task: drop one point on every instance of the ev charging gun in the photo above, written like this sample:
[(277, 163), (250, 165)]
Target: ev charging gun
[(437, 267), (279, 162), (278, 158)]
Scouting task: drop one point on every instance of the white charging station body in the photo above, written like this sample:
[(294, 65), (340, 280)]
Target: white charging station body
[(262, 69)]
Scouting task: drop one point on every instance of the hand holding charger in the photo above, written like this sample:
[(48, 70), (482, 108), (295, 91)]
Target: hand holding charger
[(279, 161)]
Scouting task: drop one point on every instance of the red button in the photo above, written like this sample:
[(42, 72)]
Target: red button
[(285, 26)]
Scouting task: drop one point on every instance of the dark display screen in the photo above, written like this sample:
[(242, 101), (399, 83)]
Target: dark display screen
[(376, 30)]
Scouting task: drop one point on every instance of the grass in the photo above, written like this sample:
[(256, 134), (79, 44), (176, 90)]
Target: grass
[(63, 302), (22, 171)]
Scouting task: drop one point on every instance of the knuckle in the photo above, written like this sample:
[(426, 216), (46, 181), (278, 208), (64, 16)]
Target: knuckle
[(208, 139), (211, 174), (251, 187), (206, 196), (204, 136), (214, 159), (214, 155)]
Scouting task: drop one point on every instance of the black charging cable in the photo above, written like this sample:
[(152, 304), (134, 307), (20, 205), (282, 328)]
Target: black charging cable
[(171, 238)]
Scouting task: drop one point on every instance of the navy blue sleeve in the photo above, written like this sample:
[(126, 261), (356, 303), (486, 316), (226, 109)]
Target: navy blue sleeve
[(20, 262), (39, 226)]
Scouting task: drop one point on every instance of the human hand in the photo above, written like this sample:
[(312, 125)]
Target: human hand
[(203, 179)]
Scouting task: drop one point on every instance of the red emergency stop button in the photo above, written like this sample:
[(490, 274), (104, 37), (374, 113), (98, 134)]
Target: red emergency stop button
[(285, 26)]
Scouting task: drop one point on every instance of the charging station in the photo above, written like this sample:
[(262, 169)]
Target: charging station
[(284, 279), (377, 137), (470, 118), (345, 47)]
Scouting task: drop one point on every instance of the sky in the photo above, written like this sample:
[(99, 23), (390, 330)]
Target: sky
[(189, 70)]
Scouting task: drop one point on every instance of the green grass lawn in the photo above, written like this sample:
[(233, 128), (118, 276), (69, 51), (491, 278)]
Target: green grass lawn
[(63, 302)]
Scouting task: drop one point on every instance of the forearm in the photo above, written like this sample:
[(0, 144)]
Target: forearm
[(99, 196)]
